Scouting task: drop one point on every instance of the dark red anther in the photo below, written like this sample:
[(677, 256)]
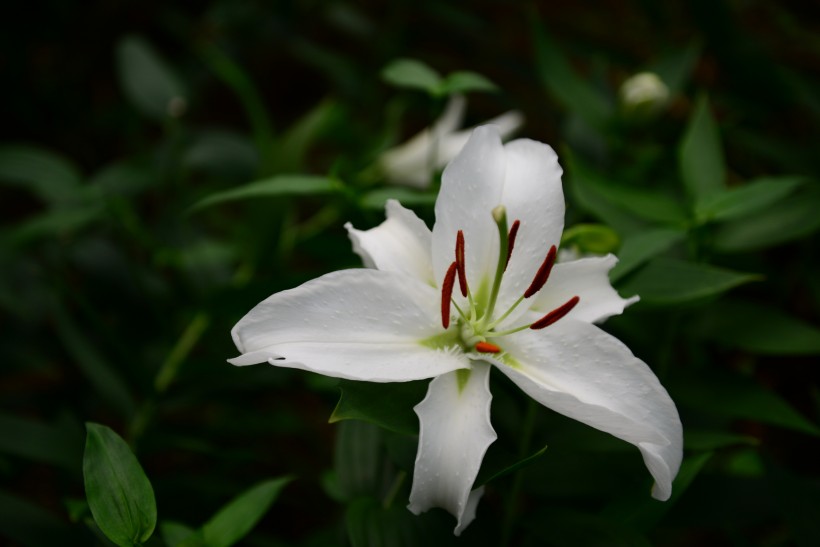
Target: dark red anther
[(556, 314), (486, 347), (511, 241), (462, 273), (447, 294), (542, 274)]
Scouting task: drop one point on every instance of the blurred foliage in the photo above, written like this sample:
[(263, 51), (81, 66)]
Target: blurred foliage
[(164, 167)]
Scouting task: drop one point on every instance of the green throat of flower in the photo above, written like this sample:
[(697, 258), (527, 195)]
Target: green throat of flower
[(475, 326)]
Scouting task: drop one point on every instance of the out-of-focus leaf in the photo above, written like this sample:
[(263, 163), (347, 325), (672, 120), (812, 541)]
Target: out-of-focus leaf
[(58, 223), (28, 524), (639, 247), (792, 218), (370, 524), (464, 81), (175, 533), (235, 520), (645, 204), (125, 179), (358, 460), (387, 405), (105, 380), (643, 514), (297, 140), (413, 74), (119, 494), (694, 439), (53, 178), (702, 165), (665, 281), (512, 468), (222, 153), (46, 443), (759, 328), (558, 76), (744, 463), (745, 200), (409, 198), (591, 238), (738, 398), (559, 527), (148, 81), (278, 186), (675, 66)]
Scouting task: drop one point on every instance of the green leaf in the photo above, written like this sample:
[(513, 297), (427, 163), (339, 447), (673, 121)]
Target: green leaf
[(235, 520), (745, 200), (119, 494), (639, 247), (591, 238), (294, 145), (148, 81), (569, 89), (25, 523), (222, 153), (702, 165), (175, 533), (376, 199), (675, 67), (759, 328), (370, 524), (670, 281), (464, 81), (53, 178), (412, 74), (792, 218), (359, 459), (511, 468), (386, 405), (278, 186)]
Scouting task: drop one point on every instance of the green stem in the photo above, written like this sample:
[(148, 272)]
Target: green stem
[(500, 217), (515, 491)]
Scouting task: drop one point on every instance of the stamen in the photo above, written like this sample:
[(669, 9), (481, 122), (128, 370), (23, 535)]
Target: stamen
[(556, 314), (486, 347), (542, 274), (447, 294), (511, 241), (462, 273)]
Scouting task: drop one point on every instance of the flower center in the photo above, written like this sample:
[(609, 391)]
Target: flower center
[(477, 325)]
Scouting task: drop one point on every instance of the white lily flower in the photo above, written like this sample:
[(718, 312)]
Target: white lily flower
[(472, 294), (414, 162)]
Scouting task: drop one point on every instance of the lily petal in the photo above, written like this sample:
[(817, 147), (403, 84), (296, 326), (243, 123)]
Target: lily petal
[(400, 244), (455, 434), (533, 195), (587, 278), (356, 324), (507, 123), (582, 372), (471, 188)]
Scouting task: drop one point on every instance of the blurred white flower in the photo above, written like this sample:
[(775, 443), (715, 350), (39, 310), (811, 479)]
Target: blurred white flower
[(414, 162), (644, 92)]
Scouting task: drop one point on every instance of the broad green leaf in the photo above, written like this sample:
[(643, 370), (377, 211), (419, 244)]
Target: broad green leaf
[(412, 74), (175, 533), (560, 79), (386, 405), (643, 514), (278, 186), (370, 524), (123, 179), (464, 81), (53, 178), (359, 458), (591, 238), (739, 398), (512, 468), (669, 281), (57, 223), (792, 218), (148, 81), (25, 523), (235, 520), (222, 153), (702, 166), (675, 67), (108, 383), (759, 328), (409, 198), (745, 200), (639, 247), (694, 439), (41, 442), (119, 494)]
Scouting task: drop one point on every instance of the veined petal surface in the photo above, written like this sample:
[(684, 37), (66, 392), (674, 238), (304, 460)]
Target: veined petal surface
[(455, 433), (402, 244), (471, 188), (587, 278), (582, 372), (355, 324)]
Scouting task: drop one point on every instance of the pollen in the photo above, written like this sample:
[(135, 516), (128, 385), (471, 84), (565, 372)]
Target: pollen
[(511, 241), (462, 273), (556, 314), (486, 347), (543, 274), (447, 294)]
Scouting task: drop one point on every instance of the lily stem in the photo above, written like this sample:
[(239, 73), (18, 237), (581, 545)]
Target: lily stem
[(523, 448), (394, 489)]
